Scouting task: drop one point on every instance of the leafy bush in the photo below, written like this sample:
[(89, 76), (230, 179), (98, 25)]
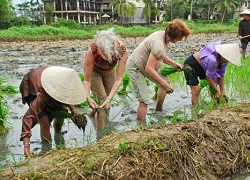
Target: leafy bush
[(61, 22), (4, 24), (19, 21)]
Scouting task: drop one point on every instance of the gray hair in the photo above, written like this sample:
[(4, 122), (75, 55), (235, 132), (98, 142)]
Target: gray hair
[(106, 40)]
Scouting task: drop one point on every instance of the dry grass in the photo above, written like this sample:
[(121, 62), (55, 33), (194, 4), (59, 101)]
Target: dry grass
[(214, 146)]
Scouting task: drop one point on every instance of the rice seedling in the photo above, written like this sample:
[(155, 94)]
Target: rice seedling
[(6, 88), (123, 149), (89, 166), (4, 111), (125, 83), (89, 139)]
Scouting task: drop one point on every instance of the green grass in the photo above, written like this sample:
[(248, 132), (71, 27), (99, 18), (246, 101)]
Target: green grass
[(237, 79), (65, 31), (5, 88)]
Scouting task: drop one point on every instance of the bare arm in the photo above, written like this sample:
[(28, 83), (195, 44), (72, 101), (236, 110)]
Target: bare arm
[(118, 80), (221, 84), (170, 62), (73, 110), (88, 66), (213, 85), (150, 69)]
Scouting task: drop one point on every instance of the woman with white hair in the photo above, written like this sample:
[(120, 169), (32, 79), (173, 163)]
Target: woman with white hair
[(99, 65)]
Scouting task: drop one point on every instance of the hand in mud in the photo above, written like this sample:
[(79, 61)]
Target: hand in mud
[(217, 95)]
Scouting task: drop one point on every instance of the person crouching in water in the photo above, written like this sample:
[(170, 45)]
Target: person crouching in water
[(47, 90), (210, 63)]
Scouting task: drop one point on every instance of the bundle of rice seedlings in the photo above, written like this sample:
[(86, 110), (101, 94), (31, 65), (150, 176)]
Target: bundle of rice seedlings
[(125, 83), (79, 120)]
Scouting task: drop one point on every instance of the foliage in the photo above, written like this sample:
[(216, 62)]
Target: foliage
[(5, 14), (150, 9), (123, 149), (125, 83), (43, 33), (5, 88), (124, 8), (4, 111), (227, 6), (61, 22), (34, 33), (19, 21), (4, 108), (49, 12)]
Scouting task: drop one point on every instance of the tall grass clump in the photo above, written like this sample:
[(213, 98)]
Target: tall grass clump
[(4, 111), (4, 108), (237, 80)]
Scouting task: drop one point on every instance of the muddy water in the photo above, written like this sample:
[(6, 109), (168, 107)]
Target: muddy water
[(17, 58)]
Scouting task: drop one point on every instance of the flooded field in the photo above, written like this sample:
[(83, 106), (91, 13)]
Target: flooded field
[(17, 58)]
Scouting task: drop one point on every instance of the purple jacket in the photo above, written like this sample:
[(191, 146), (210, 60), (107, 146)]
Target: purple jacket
[(210, 62)]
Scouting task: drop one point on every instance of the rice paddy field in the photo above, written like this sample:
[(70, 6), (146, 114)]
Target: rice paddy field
[(70, 147)]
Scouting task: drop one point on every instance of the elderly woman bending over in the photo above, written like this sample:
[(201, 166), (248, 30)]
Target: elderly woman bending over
[(99, 65)]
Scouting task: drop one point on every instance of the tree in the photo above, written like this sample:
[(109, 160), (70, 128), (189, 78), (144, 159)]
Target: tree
[(175, 9), (149, 9), (124, 8), (5, 13), (49, 12), (227, 6)]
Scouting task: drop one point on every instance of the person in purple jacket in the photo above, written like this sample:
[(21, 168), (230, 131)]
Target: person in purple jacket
[(210, 63)]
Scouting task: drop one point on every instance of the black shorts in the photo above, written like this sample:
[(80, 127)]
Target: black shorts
[(192, 74)]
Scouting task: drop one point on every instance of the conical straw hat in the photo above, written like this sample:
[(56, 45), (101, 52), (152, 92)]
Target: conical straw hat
[(230, 52), (63, 84), (246, 11)]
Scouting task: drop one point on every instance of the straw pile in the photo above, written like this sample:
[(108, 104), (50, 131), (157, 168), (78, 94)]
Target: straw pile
[(214, 146)]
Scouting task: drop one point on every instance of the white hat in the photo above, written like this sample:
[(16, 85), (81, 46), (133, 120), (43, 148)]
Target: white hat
[(63, 84), (246, 11), (230, 52)]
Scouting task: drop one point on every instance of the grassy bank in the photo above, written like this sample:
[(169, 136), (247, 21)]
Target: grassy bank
[(62, 30)]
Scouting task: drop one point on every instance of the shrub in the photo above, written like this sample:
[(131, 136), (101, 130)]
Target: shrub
[(61, 22)]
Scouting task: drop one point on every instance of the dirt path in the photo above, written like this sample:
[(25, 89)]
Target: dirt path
[(214, 146)]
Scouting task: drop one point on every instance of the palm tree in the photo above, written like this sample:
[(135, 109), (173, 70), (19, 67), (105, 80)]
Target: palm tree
[(124, 8), (227, 6), (149, 9)]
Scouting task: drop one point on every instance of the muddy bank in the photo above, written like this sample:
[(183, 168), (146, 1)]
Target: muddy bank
[(214, 146), (70, 53), (193, 43)]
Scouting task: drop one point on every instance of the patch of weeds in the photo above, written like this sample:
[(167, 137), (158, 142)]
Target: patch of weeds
[(4, 111), (154, 145), (9, 89), (89, 141), (89, 166), (123, 149)]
